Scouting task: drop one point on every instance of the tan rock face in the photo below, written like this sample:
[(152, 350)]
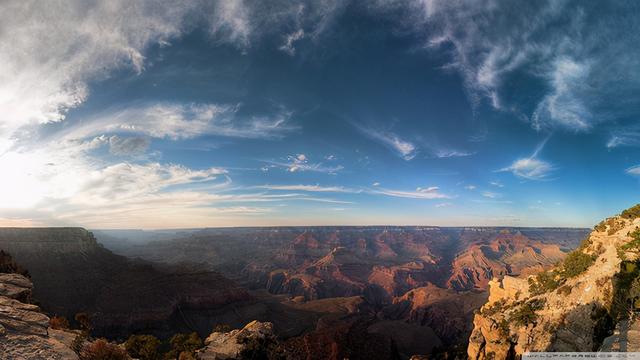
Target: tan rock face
[(228, 345), (24, 330), (566, 318)]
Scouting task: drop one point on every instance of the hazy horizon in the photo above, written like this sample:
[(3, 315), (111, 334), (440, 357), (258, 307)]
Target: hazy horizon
[(193, 114)]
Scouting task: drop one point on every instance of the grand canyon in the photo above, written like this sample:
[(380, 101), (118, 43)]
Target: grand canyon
[(401, 290)]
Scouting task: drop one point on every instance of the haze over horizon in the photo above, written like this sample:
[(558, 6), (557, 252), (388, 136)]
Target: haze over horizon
[(191, 114)]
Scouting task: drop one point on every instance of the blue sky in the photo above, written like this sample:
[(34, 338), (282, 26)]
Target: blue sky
[(235, 113)]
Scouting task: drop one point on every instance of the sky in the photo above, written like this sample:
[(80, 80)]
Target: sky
[(182, 114)]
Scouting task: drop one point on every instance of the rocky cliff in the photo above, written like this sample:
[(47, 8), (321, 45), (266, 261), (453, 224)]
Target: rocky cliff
[(585, 303), (24, 332)]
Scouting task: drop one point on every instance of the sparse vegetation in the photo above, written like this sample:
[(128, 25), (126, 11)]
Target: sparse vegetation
[(576, 263), (634, 244), (144, 347), (59, 323), (183, 345), (526, 313), (544, 282), (222, 328), (631, 213), (101, 349), (503, 328), (84, 321), (493, 309), (266, 348)]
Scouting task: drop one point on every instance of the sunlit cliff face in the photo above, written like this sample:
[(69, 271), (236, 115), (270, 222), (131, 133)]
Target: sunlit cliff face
[(188, 114)]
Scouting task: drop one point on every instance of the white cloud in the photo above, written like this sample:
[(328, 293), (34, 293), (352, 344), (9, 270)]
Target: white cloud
[(496, 184), (441, 205), (470, 187), (182, 121), (494, 44), (624, 137), (634, 170), (309, 188), (50, 51), (490, 195), (375, 184), (530, 168), (403, 148), (429, 195), (289, 43), (563, 105), (300, 163), (443, 154), (427, 189)]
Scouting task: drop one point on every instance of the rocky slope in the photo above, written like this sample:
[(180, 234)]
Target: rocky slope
[(73, 273), (574, 307), (24, 332)]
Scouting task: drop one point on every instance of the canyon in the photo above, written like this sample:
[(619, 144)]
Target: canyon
[(329, 292)]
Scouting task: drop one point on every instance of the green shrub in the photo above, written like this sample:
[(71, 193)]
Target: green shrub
[(576, 263), (223, 328), (526, 314), (634, 244), (492, 309), (144, 347), (503, 328), (543, 282), (631, 213), (256, 348), (183, 345)]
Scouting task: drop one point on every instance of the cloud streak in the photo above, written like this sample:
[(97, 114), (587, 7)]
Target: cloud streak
[(403, 148), (429, 193)]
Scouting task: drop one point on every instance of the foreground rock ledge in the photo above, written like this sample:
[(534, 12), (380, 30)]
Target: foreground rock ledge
[(24, 332)]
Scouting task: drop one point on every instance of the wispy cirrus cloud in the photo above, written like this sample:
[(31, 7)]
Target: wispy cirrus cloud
[(531, 168), (428, 193), (634, 170), (301, 163), (491, 195), (624, 137), (405, 149), (547, 42), (178, 121), (309, 188)]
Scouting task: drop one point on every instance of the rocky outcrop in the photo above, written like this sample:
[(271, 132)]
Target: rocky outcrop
[(24, 332), (573, 307), (229, 345)]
